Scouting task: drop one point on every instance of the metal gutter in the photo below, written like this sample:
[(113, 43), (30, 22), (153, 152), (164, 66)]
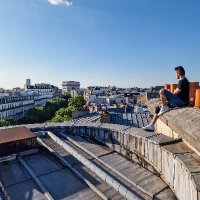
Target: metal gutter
[(80, 176), (106, 164), (103, 175), (35, 178)]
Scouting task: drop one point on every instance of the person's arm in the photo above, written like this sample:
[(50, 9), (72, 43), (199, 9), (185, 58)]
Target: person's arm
[(179, 87), (177, 91)]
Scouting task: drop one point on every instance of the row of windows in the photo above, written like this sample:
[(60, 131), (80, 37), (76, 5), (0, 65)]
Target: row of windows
[(6, 100), (3, 108), (42, 87), (41, 90), (14, 99), (13, 105), (15, 111), (10, 113)]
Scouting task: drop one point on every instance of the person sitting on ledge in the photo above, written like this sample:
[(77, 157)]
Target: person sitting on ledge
[(180, 98)]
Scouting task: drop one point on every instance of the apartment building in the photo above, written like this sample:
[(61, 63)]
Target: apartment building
[(15, 107), (47, 91)]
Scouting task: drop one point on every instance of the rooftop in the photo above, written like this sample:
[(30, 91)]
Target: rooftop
[(14, 134), (116, 161), (61, 183)]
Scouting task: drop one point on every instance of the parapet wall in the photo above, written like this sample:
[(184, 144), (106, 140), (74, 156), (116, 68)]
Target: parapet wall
[(168, 157), (179, 123)]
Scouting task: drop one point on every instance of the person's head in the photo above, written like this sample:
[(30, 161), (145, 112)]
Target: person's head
[(180, 72)]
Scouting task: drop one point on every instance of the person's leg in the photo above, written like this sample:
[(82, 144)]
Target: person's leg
[(169, 100), (173, 100), (155, 118), (151, 127), (163, 98)]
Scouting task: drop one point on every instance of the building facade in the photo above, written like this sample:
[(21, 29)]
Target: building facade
[(46, 91), (15, 107), (70, 86), (15, 103)]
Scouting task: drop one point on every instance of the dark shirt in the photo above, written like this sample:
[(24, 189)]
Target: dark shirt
[(184, 86)]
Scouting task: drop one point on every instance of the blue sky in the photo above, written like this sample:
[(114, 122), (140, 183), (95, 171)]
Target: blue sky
[(98, 42)]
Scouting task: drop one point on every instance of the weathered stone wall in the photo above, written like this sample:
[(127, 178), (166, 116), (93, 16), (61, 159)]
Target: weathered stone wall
[(168, 157), (182, 122)]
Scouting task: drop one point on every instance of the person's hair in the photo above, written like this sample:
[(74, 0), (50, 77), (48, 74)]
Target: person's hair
[(180, 69)]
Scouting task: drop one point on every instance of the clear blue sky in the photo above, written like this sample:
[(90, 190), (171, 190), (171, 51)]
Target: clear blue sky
[(98, 42)]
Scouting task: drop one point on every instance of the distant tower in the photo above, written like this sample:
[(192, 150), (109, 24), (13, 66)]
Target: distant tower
[(28, 82)]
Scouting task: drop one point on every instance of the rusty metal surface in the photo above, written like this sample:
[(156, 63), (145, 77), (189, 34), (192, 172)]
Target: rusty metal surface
[(17, 146), (14, 134), (16, 140)]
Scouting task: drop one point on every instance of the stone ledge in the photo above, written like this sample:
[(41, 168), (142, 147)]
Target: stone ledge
[(182, 122), (167, 157)]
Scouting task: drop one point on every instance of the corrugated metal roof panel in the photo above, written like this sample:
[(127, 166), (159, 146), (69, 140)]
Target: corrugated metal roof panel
[(14, 134)]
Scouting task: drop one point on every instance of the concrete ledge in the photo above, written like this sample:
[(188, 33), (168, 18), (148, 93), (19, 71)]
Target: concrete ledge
[(166, 156), (170, 158), (183, 123)]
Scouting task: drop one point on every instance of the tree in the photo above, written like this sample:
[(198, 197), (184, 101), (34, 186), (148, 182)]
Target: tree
[(4, 123), (56, 110), (63, 114), (77, 102), (43, 114), (66, 96)]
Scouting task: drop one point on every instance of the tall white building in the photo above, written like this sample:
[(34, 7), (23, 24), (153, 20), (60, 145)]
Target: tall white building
[(15, 104), (69, 86), (28, 82)]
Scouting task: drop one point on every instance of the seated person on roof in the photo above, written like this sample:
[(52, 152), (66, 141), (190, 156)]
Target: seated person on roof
[(179, 98)]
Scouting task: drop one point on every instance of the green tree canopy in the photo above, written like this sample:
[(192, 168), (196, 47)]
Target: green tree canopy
[(63, 114), (77, 102), (42, 114), (4, 123), (56, 110)]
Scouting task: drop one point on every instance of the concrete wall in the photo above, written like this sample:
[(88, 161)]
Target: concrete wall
[(167, 157), (166, 152), (183, 123)]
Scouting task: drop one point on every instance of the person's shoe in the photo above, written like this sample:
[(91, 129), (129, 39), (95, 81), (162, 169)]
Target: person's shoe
[(149, 128), (163, 110)]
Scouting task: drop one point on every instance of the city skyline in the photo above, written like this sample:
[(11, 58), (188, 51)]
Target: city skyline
[(126, 44)]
